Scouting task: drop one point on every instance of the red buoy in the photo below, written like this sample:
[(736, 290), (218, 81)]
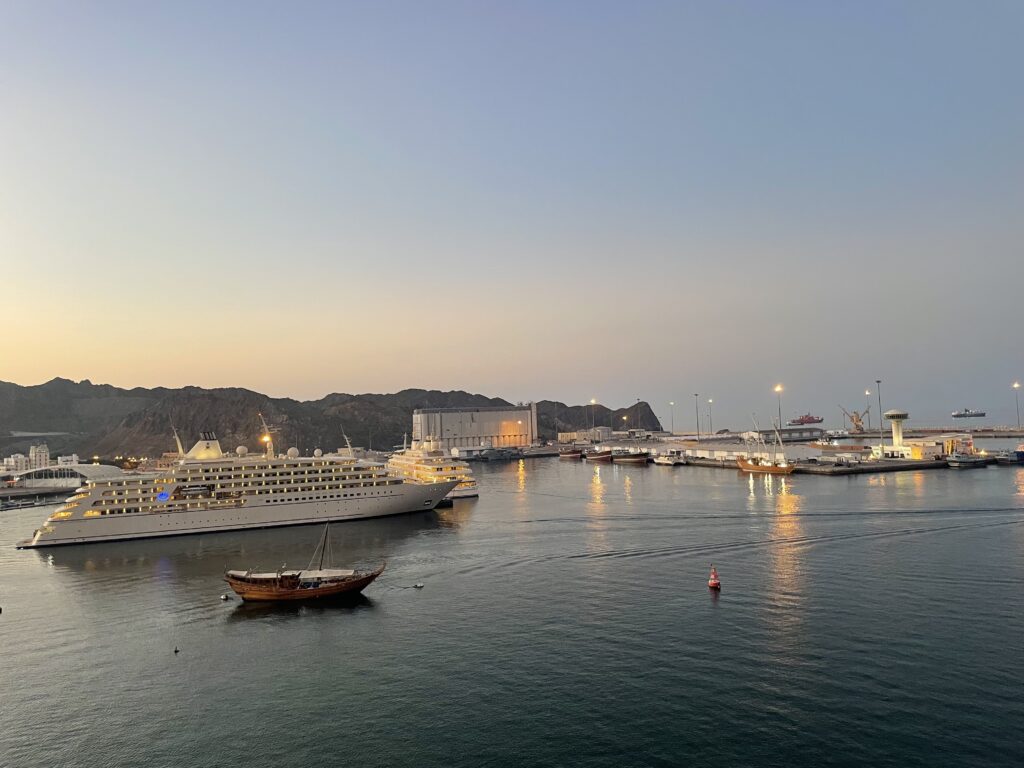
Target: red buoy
[(713, 580)]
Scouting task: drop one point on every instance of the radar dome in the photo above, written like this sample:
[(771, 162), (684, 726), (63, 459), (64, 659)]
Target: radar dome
[(241, 450), (293, 453), (318, 453)]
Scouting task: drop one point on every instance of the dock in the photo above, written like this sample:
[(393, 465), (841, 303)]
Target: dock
[(811, 468), (16, 498), (807, 460)]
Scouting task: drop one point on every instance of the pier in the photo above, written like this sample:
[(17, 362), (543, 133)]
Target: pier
[(16, 498)]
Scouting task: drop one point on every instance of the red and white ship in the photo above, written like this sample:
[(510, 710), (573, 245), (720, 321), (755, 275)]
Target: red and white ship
[(807, 418)]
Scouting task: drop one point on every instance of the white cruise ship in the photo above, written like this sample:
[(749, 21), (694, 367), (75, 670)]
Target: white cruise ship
[(427, 463), (209, 491)]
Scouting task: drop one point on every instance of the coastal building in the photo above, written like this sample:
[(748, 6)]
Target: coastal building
[(67, 461), (595, 435), (17, 462), (788, 435), (930, 447), (67, 476), (475, 430), (39, 456)]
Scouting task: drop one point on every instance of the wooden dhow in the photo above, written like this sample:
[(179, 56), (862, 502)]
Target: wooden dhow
[(310, 584), (765, 466), (776, 465)]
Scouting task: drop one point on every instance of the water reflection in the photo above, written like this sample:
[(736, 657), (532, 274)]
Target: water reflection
[(597, 525), (627, 489), (766, 487), (786, 568), (178, 557), (787, 501), (597, 488), (1018, 481), (458, 514), (283, 611), (521, 476)]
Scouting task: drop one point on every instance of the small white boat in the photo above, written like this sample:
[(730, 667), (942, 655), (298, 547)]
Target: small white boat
[(673, 457)]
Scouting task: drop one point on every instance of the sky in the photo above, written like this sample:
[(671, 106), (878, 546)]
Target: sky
[(529, 200)]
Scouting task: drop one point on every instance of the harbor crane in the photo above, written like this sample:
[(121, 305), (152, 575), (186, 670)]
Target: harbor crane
[(856, 419)]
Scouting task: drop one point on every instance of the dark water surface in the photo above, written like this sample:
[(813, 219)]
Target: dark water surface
[(565, 621)]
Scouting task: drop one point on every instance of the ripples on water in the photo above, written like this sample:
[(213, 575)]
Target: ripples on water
[(565, 620)]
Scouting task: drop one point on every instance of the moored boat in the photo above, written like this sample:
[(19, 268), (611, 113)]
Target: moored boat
[(571, 454), (627, 456), (1011, 457), (427, 463), (598, 454), (308, 584), (673, 457), (966, 460), (765, 466)]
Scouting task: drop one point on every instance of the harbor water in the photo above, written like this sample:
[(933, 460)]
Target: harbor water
[(565, 619)]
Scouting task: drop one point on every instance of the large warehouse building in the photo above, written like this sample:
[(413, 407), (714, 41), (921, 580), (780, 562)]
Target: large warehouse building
[(472, 430)]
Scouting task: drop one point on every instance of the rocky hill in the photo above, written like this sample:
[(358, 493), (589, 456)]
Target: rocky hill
[(105, 420)]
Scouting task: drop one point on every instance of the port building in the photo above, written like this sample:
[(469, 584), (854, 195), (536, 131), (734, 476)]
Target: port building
[(67, 476), (930, 447), (475, 430), (593, 435)]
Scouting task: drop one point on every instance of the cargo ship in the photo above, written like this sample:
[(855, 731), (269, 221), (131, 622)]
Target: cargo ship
[(807, 418), (967, 413)]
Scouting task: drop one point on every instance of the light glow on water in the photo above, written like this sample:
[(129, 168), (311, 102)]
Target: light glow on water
[(565, 619)]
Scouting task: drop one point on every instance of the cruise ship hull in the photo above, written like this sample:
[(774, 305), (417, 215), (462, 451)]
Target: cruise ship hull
[(407, 498)]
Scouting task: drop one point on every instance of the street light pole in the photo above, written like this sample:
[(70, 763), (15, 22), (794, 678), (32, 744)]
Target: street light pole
[(778, 392), (881, 437), (711, 424), (696, 412), (1016, 399), (673, 406), (867, 406)]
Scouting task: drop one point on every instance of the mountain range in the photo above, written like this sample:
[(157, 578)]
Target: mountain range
[(100, 419)]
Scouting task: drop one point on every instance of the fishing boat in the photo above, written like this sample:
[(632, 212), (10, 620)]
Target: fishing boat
[(309, 584), (571, 454), (629, 456), (713, 581), (756, 464), (959, 460), (598, 454), (1011, 457), (673, 457)]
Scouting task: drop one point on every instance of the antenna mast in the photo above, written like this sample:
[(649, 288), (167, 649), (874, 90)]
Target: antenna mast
[(267, 437), (177, 440)]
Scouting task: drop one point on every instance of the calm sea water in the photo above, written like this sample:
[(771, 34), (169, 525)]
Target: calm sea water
[(565, 620)]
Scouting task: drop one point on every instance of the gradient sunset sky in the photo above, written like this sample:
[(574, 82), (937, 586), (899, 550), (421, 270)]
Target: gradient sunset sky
[(527, 200)]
